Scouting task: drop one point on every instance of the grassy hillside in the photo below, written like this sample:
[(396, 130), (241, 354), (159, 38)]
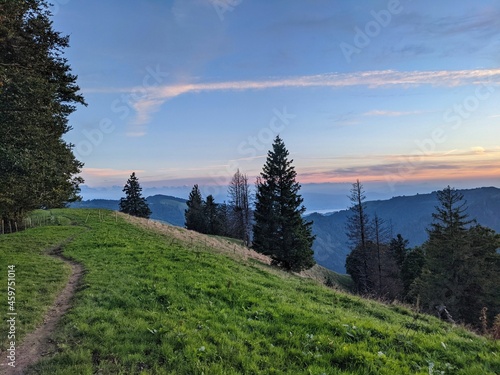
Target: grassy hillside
[(160, 302)]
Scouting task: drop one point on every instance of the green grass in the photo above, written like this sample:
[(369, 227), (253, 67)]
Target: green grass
[(149, 305), (38, 277)]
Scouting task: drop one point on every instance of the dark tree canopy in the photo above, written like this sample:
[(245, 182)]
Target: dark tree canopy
[(450, 216), (195, 213), (399, 249), (37, 94), (411, 269), (462, 266), (279, 229), (134, 203), (211, 214)]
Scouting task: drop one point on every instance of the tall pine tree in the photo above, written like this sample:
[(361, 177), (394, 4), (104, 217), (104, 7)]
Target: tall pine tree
[(399, 249), (133, 203), (440, 279), (211, 216), (279, 230), (195, 213)]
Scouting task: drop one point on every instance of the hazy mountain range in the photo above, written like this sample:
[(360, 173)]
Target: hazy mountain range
[(407, 215), (163, 207)]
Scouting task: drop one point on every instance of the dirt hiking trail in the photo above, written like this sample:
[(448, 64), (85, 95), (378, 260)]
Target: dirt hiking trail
[(38, 344)]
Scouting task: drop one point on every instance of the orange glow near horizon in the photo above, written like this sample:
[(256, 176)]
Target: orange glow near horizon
[(416, 174), (477, 164)]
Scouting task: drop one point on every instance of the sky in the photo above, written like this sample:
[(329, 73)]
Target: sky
[(402, 95)]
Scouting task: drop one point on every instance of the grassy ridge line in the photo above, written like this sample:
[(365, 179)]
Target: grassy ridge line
[(150, 305), (197, 240), (232, 248), (38, 277)]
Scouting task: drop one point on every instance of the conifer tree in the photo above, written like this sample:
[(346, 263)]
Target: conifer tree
[(358, 232), (462, 263), (210, 209), (195, 214), (440, 278), (411, 269), (399, 249), (397, 252), (279, 229), (224, 219), (133, 203), (37, 94), (450, 217)]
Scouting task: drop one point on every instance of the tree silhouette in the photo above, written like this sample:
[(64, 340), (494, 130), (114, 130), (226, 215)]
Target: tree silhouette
[(133, 203), (239, 200), (462, 266), (195, 213), (279, 230), (357, 227)]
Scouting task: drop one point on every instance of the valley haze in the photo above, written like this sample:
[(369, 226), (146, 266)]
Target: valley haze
[(318, 197)]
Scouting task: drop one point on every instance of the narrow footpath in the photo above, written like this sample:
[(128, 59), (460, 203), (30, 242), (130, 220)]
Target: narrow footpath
[(38, 344)]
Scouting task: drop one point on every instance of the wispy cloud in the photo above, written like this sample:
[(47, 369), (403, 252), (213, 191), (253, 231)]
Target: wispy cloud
[(476, 162), (154, 97)]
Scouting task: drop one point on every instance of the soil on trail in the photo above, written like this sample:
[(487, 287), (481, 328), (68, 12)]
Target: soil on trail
[(38, 344)]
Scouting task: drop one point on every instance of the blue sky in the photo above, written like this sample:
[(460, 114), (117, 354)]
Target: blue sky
[(403, 95)]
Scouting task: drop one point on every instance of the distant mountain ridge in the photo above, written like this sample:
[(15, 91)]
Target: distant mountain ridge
[(408, 215), (164, 207)]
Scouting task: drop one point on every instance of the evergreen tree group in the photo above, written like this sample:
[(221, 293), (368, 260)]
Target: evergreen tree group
[(134, 203), (37, 94), (457, 269), (229, 220), (206, 216), (279, 230), (462, 265)]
